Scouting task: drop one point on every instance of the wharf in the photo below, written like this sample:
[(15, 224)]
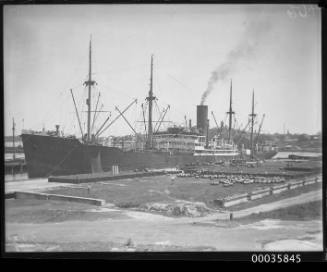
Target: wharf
[(105, 176), (15, 166)]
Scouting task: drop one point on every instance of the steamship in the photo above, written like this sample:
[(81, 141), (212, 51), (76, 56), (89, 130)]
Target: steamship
[(51, 153)]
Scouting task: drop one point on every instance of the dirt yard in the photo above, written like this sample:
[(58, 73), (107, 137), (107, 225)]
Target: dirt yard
[(39, 225)]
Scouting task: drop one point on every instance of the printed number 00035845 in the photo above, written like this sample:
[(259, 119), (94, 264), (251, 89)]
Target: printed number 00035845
[(276, 258)]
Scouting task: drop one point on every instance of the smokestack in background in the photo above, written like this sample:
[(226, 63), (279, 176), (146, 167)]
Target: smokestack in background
[(190, 124), (201, 118)]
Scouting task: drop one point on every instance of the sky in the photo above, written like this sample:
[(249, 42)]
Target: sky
[(274, 50)]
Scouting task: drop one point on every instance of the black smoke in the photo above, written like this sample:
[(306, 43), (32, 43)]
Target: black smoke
[(244, 51)]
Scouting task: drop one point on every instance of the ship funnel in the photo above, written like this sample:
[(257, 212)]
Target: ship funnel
[(201, 118)]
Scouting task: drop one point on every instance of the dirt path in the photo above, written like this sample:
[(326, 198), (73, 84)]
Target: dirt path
[(149, 229), (144, 232), (32, 185)]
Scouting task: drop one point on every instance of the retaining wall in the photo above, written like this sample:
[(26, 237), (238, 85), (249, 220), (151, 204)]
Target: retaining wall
[(232, 200), (295, 184), (279, 188), (82, 178), (260, 193), (31, 195), (91, 201), (240, 198), (42, 196), (310, 181)]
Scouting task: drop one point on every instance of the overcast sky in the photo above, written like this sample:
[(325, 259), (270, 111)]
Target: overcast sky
[(274, 50)]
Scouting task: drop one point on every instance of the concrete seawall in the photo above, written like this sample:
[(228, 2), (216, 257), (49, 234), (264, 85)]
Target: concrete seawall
[(260, 193), (279, 188), (83, 178), (257, 194), (42, 196)]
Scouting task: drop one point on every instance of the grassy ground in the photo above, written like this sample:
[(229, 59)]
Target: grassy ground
[(44, 211), (133, 193)]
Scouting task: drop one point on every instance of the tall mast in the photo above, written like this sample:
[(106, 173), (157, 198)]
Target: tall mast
[(13, 139), (230, 113), (150, 98), (252, 115), (89, 83)]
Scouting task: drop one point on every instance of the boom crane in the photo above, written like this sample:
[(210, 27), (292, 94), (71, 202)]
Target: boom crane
[(95, 112), (78, 119), (101, 129), (143, 111), (128, 123), (162, 118), (214, 118)]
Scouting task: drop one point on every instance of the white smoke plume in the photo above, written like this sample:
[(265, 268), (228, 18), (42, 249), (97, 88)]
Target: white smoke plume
[(244, 51)]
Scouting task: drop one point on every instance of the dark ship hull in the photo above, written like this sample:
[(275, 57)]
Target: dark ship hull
[(52, 155)]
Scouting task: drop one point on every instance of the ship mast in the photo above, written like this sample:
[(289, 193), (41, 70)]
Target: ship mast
[(89, 83), (13, 139), (252, 115), (230, 113), (150, 98)]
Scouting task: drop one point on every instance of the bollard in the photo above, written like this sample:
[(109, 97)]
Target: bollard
[(115, 170)]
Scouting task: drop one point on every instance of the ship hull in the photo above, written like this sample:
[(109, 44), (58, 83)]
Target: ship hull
[(51, 156)]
